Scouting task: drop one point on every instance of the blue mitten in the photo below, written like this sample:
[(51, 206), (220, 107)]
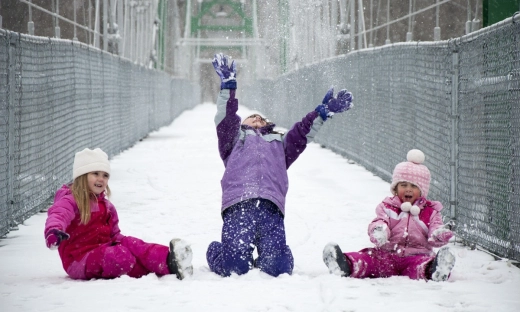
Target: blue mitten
[(226, 73), (330, 105)]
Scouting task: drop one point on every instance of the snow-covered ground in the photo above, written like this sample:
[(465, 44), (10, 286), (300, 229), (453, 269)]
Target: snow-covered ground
[(168, 186)]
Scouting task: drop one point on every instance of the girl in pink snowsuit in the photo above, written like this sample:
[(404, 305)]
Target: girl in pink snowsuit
[(405, 231), (83, 224)]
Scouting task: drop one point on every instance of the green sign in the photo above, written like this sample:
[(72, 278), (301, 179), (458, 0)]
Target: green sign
[(495, 11)]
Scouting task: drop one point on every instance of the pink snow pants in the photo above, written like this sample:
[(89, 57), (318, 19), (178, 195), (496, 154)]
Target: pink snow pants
[(373, 263), (131, 257)]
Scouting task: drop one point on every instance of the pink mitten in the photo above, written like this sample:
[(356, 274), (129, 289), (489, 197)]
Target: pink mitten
[(54, 237), (379, 235), (441, 236)]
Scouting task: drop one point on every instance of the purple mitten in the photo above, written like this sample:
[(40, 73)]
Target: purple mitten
[(330, 105), (226, 73), (341, 103), (54, 237), (379, 235), (328, 96)]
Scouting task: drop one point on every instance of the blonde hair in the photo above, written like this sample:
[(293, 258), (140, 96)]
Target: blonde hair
[(84, 196)]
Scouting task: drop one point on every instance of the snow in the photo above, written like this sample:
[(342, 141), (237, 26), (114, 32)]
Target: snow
[(168, 186)]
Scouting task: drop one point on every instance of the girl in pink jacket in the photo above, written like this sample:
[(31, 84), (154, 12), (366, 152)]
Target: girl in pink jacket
[(83, 225), (405, 231)]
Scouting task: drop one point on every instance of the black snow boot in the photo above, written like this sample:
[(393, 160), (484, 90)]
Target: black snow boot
[(442, 264), (179, 258), (335, 260)]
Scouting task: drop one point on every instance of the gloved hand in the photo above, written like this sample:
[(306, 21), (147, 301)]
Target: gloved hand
[(379, 235), (226, 73), (330, 105), (441, 236), (54, 237)]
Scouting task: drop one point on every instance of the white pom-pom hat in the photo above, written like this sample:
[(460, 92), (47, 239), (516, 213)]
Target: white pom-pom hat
[(89, 160), (412, 171)]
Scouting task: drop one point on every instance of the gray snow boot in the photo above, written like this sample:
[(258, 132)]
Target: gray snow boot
[(179, 258), (335, 260), (442, 265)]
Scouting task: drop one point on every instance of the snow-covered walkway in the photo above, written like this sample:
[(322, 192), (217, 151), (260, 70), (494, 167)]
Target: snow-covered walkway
[(168, 186)]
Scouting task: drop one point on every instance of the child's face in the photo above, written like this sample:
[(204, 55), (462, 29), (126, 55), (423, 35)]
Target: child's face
[(97, 181), (408, 192), (255, 121)]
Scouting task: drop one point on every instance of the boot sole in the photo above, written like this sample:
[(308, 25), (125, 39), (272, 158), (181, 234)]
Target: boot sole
[(337, 265), (181, 265), (445, 263)]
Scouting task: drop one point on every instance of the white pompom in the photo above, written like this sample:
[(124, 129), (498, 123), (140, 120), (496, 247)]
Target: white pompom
[(415, 210), (416, 156), (406, 206)]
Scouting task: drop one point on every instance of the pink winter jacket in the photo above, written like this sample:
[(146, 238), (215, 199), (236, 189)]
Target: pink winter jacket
[(407, 234), (100, 230)]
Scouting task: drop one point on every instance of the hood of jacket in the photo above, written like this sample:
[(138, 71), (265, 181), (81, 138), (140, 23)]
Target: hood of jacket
[(263, 130)]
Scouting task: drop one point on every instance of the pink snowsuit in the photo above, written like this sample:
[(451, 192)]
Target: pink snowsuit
[(408, 251), (98, 249)]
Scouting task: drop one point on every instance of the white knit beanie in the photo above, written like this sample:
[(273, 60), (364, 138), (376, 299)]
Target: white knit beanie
[(412, 171), (90, 160)]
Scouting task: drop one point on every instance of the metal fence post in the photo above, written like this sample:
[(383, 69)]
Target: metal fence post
[(475, 24), (57, 31), (468, 22), (409, 33), (96, 25), (105, 30), (437, 29), (30, 24), (11, 81), (75, 38), (352, 25), (454, 134), (387, 41)]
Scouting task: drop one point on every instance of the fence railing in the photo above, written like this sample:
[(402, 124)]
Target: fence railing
[(136, 30), (60, 96), (457, 100)]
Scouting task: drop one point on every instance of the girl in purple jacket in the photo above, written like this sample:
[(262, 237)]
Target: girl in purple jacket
[(83, 225), (405, 231), (254, 185)]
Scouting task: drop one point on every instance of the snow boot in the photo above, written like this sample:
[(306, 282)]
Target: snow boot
[(335, 260), (442, 265), (179, 258)]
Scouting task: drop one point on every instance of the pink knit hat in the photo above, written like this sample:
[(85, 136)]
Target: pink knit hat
[(412, 171)]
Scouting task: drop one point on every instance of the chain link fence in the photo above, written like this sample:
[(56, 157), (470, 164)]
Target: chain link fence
[(458, 101), (58, 97)]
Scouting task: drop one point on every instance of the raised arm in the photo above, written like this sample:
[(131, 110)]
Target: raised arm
[(304, 131), (227, 121)]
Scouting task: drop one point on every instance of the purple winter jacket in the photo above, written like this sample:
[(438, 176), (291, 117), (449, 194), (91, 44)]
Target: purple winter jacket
[(257, 160), (407, 234)]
